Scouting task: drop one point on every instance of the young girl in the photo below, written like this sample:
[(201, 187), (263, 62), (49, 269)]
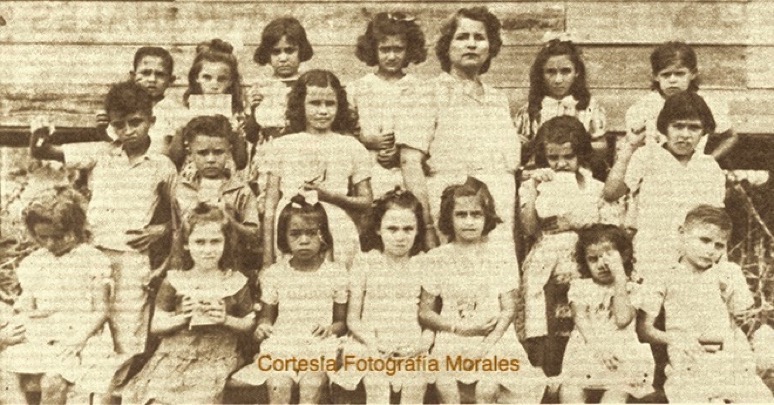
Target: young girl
[(560, 197), (387, 101), (214, 71), (476, 287), (604, 353), (557, 87), (317, 160), (66, 288), (200, 314), (304, 306), (675, 69), (384, 284)]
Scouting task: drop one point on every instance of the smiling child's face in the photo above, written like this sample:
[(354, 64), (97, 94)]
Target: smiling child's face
[(320, 107)]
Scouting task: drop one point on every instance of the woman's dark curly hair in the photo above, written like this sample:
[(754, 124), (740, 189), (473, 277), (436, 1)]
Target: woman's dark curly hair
[(537, 86), (598, 233), (216, 51), (561, 130), (402, 199), (296, 113), (386, 24), (471, 188), (289, 28), (480, 13)]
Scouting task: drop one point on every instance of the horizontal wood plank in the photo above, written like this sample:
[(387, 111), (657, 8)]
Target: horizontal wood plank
[(607, 66), (644, 22), (242, 23)]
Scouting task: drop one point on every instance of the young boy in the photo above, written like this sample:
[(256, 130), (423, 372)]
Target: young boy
[(710, 359), (668, 180), (210, 139), (127, 184)]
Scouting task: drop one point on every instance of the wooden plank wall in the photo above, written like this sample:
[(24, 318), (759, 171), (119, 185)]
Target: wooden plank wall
[(59, 56)]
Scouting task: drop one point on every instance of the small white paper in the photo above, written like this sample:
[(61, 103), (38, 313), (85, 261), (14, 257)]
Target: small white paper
[(210, 104)]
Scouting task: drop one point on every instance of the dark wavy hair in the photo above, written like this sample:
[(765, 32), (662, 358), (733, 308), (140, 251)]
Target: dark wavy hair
[(296, 113), (598, 233), (128, 98), (479, 13), (685, 105), (215, 126), (207, 214), (537, 86), (560, 130), (709, 215), (401, 199), (386, 24), (60, 206), (216, 51), (299, 206), (671, 53), (166, 57), (289, 28), (471, 188)]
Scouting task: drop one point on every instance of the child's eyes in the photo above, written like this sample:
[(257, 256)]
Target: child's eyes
[(135, 122)]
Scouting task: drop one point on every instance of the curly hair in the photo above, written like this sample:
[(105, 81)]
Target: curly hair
[(299, 206), (560, 130), (400, 199), (537, 85), (215, 126), (480, 13), (287, 27), (128, 98), (599, 233), (471, 188), (296, 112), (60, 206), (387, 24), (674, 53), (216, 51)]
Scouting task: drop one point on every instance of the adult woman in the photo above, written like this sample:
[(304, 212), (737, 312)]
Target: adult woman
[(473, 132)]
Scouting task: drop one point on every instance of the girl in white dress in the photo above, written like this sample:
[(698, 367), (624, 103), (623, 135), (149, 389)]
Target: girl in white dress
[(317, 159), (384, 291), (304, 308), (477, 286), (604, 353)]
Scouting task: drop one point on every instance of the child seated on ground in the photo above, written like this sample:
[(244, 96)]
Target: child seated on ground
[(710, 359)]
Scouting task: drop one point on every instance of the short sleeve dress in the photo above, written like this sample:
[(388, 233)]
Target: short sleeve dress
[(634, 374), (305, 299), (191, 365), (470, 293), (389, 310), (333, 161)]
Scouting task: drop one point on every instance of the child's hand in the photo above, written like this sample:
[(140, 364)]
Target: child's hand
[(542, 175), (684, 351), (254, 96), (607, 357), (188, 306), (146, 236), (386, 140), (72, 347), (11, 334), (41, 122), (482, 329), (636, 138), (321, 332), (613, 261), (387, 157), (216, 311), (263, 331)]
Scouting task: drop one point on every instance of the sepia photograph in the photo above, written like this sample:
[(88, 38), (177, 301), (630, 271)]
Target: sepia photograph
[(386, 202)]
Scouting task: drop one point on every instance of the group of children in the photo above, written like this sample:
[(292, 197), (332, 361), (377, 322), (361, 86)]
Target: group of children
[(287, 225)]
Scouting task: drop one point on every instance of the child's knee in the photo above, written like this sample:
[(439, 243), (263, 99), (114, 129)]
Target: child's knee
[(313, 380)]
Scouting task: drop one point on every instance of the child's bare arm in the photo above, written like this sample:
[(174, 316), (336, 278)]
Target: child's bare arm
[(507, 313), (272, 199), (416, 182), (165, 320), (354, 321), (361, 200), (529, 217), (615, 186), (429, 318), (339, 325)]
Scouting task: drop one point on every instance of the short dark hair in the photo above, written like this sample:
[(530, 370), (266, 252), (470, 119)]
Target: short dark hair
[(128, 98), (598, 233), (561, 130), (537, 86), (685, 105), (296, 112), (62, 207), (386, 24), (397, 198), (289, 28), (299, 206), (166, 57), (671, 53), (471, 188), (216, 126), (709, 215), (479, 13)]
